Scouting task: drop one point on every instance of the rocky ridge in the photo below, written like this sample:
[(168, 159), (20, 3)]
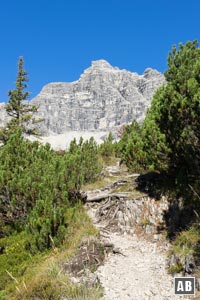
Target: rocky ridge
[(103, 99)]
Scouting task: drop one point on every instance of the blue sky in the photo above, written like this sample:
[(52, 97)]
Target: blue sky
[(59, 39)]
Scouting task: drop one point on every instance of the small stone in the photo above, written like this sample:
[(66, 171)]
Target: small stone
[(155, 238)]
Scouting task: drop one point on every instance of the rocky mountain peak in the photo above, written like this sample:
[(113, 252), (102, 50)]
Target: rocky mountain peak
[(148, 73), (101, 64), (103, 99)]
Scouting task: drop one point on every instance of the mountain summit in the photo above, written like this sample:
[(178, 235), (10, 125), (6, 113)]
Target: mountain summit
[(103, 99)]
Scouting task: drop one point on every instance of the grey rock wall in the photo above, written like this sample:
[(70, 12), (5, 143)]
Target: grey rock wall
[(103, 99)]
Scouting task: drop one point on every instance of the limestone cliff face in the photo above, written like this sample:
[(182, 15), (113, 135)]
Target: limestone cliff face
[(103, 99)]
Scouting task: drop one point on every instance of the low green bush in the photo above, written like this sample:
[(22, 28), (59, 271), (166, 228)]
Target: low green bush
[(14, 257)]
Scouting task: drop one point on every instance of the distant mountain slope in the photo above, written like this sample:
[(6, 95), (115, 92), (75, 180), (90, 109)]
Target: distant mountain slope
[(103, 99)]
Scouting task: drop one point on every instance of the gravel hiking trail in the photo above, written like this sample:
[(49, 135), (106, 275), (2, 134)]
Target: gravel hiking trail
[(136, 268)]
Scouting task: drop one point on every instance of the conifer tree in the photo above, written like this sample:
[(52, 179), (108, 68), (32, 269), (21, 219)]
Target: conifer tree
[(18, 109), (131, 147), (176, 108), (169, 138), (107, 147)]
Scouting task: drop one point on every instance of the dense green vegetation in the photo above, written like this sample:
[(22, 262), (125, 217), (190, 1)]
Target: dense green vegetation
[(169, 141), (39, 189), (27, 276), (107, 148)]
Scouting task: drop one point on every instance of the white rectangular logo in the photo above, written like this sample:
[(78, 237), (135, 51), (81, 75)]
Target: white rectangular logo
[(184, 285)]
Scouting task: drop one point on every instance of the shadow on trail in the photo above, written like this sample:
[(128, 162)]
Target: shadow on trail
[(181, 213)]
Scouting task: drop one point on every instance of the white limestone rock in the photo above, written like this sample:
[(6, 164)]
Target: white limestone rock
[(103, 99)]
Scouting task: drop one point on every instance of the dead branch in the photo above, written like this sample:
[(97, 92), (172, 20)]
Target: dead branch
[(106, 196)]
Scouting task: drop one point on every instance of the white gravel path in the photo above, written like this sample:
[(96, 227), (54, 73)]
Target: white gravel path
[(139, 273)]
